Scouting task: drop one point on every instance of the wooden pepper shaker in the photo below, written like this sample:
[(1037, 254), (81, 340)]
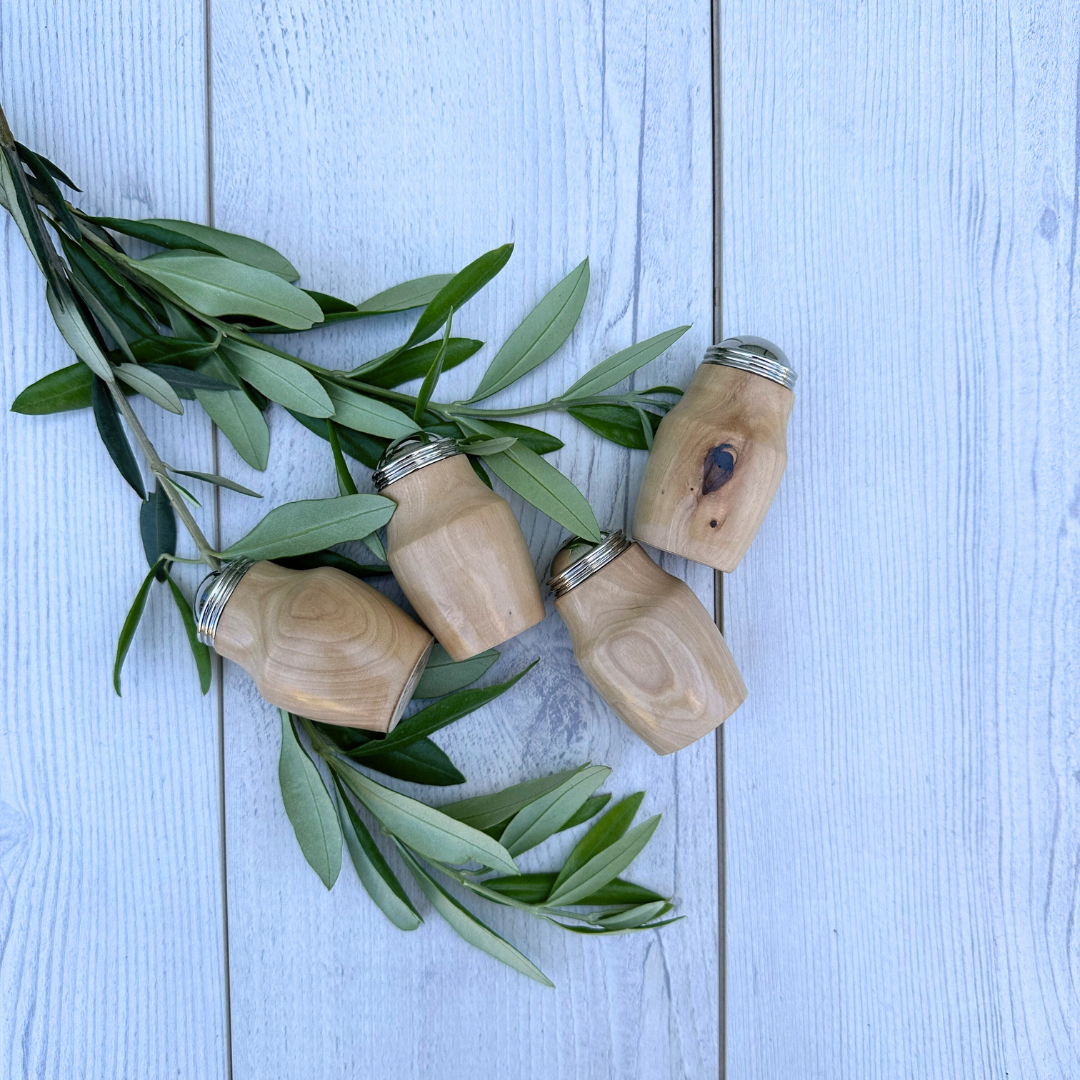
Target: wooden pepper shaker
[(718, 456), (317, 642), (456, 548), (645, 642)]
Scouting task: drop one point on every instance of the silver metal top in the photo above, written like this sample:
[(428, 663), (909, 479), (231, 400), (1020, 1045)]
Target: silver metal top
[(213, 594), (595, 558), (755, 355), (412, 452)]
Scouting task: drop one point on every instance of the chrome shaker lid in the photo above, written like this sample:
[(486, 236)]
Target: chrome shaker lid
[(586, 557), (753, 354), (213, 594), (409, 453)]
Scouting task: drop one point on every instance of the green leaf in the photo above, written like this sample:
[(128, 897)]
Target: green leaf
[(634, 917), (541, 484), (186, 382), (73, 327), (439, 714), (535, 889), (242, 249), (366, 414), (151, 385), (214, 285), (157, 524), (604, 866), (482, 447), (331, 558), (409, 294), (443, 675), (364, 448), (427, 831), (59, 391), (239, 418), (395, 368), (309, 806), (374, 545), (179, 488), (590, 808), (20, 204), (622, 364), (611, 827), (543, 331), (218, 481), (112, 288), (54, 169), (480, 471), (421, 762), (152, 233), (159, 349), (296, 528), (131, 623), (536, 440), (620, 424), (468, 926), (373, 870), (432, 376), (485, 811), (47, 183), (279, 379), (464, 285), (544, 817), (107, 418), (198, 649), (346, 484), (607, 933)]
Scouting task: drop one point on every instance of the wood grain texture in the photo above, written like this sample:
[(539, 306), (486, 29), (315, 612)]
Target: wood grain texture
[(111, 958), (324, 645), (371, 143), (460, 557), (903, 822), (652, 650)]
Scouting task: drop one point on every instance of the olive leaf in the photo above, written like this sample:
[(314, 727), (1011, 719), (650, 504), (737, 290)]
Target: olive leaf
[(468, 926), (279, 379), (589, 808), (538, 441), (611, 827), (486, 811), (154, 233), (542, 332), (198, 650), (184, 381), (107, 418), (54, 169), (214, 285), (545, 816), (309, 806), (443, 675), (374, 871), (428, 832), (151, 385), (605, 865), (394, 368), (46, 181), (620, 424), (365, 414), (131, 624), (421, 762), (346, 483), (59, 391), (409, 294), (115, 291), (432, 377), (218, 481), (237, 416), (157, 524), (535, 889), (634, 917), (73, 328), (621, 364), (242, 249), (312, 559), (482, 447), (296, 528)]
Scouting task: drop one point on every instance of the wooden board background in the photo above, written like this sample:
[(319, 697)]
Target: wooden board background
[(899, 210)]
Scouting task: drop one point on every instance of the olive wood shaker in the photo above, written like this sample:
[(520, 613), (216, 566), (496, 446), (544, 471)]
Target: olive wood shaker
[(317, 642), (456, 547), (645, 642), (718, 456)]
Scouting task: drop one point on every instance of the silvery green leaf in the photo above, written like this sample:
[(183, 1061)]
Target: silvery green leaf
[(237, 415), (296, 528), (21, 206), (534, 823), (487, 811), (66, 315), (366, 414), (157, 525), (602, 932), (621, 364), (309, 806), (219, 481), (214, 285), (409, 294), (374, 545), (185, 382), (543, 331), (611, 827), (232, 245), (179, 489), (103, 315), (279, 379), (423, 828), (628, 920), (539, 483), (468, 926), (604, 866), (107, 418), (198, 650), (483, 447), (443, 675), (372, 868), (131, 624), (150, 385)]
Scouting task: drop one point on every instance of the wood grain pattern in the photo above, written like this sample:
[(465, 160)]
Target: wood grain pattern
[(716, 462), (460, 557), (111, 958), (324, 645), (900, 214), (371, 143), (651, 650)]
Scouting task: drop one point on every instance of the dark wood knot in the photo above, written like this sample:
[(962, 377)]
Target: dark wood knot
[(719, 467)]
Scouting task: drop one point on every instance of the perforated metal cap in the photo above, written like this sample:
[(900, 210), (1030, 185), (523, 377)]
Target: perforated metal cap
[(755, 355), (592, 557), (213, 594), (406, 455)]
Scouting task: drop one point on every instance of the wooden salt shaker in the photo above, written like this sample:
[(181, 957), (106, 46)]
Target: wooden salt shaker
[(718, 456), (319, 642), (645, 642), (456, 548)]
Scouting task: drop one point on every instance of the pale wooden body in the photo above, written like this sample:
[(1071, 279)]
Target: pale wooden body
[(652, 651), (459, 555), (324, 645), (744, 418)]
